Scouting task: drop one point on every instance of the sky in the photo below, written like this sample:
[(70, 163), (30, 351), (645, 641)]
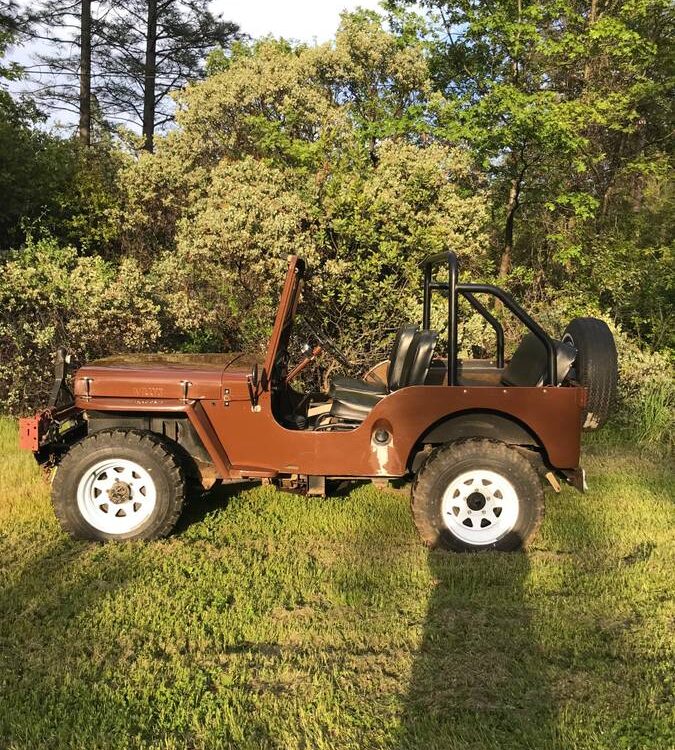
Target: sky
[(303, 20)]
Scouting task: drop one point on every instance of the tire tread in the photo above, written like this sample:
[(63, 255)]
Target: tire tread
[(141, 440), (597, 365), (436, 463)]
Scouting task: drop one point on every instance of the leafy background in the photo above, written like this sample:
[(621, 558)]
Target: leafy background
[(531, 138)]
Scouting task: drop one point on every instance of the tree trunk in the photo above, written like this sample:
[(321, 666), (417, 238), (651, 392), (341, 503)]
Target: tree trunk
[(85, 73), (507, 248), (592, 18), (150, 75)]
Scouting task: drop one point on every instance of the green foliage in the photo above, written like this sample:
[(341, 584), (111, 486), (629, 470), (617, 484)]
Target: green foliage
[(31, 172), (532, 138), (49, 184), (298, 105), (54, 186), (51, 297), (88, 208), (646, 408), (655, 414), (285, 150), (12, 23), (231, 252), (567, 108)]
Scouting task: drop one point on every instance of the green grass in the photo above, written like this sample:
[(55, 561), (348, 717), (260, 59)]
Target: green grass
[(275, 621)]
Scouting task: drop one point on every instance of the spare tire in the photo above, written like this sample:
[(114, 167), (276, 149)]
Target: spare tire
[(595, 366)]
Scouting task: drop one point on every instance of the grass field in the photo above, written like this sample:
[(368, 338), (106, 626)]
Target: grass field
[(274, 621)]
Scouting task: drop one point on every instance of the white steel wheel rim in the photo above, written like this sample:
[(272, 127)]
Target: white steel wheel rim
[(480, 507), (116, 496)]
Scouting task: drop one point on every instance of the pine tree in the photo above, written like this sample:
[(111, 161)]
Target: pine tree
[(119, 61), (150, 48)]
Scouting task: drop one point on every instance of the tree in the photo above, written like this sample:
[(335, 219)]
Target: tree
[(85, 73), (49, 184), (12, 24), (63, 79), (312, 150), (151, 48), (567, 108), (120, 61)]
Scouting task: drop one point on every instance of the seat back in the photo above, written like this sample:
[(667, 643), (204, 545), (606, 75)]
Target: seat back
[(399, 352), (528, 364), (419, 357)]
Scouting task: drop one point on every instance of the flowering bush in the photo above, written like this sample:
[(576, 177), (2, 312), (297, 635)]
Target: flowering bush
[(51, 297)]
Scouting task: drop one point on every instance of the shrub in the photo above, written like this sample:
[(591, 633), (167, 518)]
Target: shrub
[(51, 297), (646, 404)]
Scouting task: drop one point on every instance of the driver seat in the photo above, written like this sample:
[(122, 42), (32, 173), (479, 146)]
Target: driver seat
[(344, 388), (355, 407)]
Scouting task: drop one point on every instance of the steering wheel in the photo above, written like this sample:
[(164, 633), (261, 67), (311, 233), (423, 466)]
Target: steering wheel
[(326, 343)]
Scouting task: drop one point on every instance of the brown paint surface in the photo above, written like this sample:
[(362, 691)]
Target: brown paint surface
[(258, 440), (238, 438)]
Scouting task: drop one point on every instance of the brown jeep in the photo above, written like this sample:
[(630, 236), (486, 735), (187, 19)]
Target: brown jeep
[(130, 437)]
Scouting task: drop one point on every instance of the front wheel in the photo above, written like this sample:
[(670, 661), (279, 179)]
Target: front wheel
[(119, 484), (477, 495)]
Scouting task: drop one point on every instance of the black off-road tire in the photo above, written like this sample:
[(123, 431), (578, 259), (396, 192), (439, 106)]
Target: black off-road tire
[(150, 451), (596, 367), (446, 463)]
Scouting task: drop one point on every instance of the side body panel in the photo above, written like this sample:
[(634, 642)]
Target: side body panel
[(256, 439), (241, 441)]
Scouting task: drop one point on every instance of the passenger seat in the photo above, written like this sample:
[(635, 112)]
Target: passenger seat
[(529, 363)]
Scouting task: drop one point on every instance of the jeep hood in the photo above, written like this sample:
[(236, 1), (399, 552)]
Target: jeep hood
[(159, 376)]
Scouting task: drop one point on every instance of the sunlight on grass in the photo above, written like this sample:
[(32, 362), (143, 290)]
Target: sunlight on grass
[(275, 621)]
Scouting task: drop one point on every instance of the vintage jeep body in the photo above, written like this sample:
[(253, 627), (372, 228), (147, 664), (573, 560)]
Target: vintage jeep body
[(130, 437)]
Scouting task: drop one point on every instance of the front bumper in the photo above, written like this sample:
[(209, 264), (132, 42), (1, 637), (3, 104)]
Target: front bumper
[(51, 431)]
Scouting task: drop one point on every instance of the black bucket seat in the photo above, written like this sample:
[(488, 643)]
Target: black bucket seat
[(354, 406), (343, 388), (529, 362)]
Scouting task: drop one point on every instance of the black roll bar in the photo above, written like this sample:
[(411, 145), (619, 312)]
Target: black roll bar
[(480, 308), (453, 287)]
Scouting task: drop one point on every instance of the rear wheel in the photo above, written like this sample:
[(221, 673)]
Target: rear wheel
[(595, 366), (119, 484), (477, 495)]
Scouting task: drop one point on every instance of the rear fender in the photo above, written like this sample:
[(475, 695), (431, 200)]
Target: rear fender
[(477, 424)]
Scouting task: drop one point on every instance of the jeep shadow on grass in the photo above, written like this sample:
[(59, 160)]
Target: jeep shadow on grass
[(477, 680), (568, 644)]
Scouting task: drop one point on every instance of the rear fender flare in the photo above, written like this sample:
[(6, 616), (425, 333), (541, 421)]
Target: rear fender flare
[(490, 425)]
